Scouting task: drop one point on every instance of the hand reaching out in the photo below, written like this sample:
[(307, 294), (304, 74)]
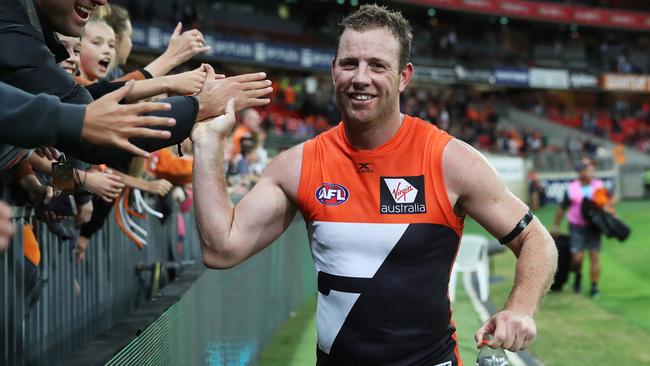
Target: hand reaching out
[(107, 122), (248, 89), (104, 185), (183, 46), (160, 187), (186, 83), (215, 129)]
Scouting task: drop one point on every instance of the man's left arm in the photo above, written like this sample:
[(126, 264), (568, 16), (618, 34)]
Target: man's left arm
[(475, 189)]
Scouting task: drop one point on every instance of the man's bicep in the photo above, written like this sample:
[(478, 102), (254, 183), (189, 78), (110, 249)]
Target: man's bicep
[(481, 192), (261, 216)]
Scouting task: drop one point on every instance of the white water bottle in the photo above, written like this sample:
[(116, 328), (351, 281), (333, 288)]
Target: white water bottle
[(489, 356)]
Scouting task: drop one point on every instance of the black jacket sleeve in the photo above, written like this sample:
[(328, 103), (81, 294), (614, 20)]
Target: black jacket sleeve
[(184, 110), (28, 64), (30, 121), (103, 87)]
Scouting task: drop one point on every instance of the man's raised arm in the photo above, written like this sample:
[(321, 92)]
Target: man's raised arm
[(228, 234), (477, 190)]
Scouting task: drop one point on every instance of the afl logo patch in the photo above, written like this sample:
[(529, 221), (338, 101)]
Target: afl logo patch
[(332, 194)]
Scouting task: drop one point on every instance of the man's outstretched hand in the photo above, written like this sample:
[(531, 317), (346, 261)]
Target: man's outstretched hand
[(107, 122), (250, 90), (510, 330), (215, 129)]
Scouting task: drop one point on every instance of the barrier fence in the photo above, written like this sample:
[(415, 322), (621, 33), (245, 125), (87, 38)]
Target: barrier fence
[(227, 317), (224, 318), (77, 301)]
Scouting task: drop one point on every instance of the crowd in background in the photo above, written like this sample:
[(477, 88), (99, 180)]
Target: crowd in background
[(623, 121), (440, 35)]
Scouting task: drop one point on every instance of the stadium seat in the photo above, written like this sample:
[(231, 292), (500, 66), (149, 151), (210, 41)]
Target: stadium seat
[(472, 257)]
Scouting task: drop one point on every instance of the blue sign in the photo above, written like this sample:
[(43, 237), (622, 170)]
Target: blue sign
[(511, 76), (242, 50)]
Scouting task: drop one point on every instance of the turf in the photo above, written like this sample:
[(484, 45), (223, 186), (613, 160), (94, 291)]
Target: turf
[(612, 329)]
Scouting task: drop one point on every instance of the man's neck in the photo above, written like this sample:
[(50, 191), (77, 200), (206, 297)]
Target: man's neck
[(372, 135)]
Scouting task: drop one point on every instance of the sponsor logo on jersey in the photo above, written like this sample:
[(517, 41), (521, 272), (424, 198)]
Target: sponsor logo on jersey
[(364, 167), (402, 195), (332, 194)]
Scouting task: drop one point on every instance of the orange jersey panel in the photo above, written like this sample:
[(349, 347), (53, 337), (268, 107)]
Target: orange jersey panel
[(398, 182)]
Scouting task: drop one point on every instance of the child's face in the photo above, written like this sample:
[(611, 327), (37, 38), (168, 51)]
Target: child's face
[(97, 50), (73, 45)]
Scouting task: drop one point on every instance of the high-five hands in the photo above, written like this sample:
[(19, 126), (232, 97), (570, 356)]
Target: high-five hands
[(250, 90), (215, 129)]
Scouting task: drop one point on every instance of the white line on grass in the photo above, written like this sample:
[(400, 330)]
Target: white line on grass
[(484, 315)]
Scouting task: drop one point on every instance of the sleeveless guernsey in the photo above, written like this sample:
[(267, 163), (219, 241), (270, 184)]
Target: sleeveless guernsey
[(383, 236)]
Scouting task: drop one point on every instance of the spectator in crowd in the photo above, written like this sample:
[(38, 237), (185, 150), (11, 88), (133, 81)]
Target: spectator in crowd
[(248, 128), (97, 50), (582, 235), (182, 45), (536, 192)]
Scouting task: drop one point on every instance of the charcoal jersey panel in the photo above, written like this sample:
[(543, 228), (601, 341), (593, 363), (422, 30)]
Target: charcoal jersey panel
[(384, 237)]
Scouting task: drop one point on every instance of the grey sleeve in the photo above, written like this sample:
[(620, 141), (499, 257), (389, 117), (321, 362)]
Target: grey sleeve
[(30, 121)]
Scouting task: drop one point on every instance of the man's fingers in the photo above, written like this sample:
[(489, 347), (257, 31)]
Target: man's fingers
[(500, 333), (230, 107), (258, 92), (254, 85), (146, 107), (250, 77), (120, 93), (518, 342), (478, 337), (251, 102)]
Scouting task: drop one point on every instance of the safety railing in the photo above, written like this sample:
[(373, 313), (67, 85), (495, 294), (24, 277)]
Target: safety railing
[(74, 301)]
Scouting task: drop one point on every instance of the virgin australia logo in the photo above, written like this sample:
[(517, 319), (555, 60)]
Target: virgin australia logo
[(402, 195)]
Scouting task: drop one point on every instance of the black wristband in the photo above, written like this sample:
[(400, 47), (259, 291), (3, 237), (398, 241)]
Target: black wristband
[(145, 73), (521, 225)]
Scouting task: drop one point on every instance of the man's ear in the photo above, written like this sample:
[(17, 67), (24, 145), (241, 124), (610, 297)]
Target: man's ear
[(332, 69), (405, 76)]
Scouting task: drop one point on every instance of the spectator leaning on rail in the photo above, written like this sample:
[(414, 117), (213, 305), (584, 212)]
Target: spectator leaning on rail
[(27, 30), (30, 121), (384, 196)]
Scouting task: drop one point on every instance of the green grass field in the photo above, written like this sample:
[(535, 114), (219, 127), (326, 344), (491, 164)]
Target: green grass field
[(573, 330)]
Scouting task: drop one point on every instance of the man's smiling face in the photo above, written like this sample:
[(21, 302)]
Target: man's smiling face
[(68, 17), (366, 74)]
